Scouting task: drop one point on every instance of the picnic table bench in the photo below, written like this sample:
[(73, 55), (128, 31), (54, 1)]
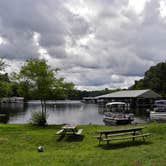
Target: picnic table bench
[(69, 129), (121, 134)]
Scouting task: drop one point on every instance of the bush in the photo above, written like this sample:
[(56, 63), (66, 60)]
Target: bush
[(39, 119)]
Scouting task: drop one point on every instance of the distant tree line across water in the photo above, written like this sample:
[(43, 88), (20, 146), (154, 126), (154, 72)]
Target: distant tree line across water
[(79, 94), (36, 80)]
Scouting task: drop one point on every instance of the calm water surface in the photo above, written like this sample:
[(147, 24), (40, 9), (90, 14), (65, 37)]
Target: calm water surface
[(58, 112)]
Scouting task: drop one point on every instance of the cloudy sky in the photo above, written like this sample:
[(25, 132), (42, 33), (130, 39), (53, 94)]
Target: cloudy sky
[(97, 44)]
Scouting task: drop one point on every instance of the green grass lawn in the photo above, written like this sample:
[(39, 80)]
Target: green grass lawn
[(18, 146)]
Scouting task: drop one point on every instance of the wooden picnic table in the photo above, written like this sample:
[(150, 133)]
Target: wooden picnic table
[(70, 129), (109, 135)]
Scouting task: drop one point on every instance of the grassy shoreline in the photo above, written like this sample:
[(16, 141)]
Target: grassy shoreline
[(18, 146)]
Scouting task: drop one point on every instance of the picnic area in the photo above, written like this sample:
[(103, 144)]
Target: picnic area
[(19, 143), (121, 134), (69, 129)]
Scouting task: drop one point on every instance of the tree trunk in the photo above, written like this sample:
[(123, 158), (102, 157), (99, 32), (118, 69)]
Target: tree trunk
[(43, 104), (45, 107)]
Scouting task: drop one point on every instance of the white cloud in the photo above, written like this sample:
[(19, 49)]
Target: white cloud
[(137, 5), (162, 8), (3, 41), (96, 44)]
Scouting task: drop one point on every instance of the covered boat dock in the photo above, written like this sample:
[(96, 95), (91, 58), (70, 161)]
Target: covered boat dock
[(138, 99)]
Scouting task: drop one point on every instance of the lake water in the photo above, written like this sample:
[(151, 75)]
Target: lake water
[(59, 112)]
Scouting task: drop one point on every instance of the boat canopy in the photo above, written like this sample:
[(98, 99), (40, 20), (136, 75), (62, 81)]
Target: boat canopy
[(160, 106), (160, 102), (117, 107), (115, 103)]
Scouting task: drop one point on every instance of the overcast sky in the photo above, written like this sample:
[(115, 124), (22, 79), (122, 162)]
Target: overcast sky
[(97, 44)]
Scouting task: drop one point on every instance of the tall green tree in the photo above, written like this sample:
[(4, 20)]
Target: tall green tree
[(2, 64), (5, 86), (37, 79), (154, 78), (5, 89)]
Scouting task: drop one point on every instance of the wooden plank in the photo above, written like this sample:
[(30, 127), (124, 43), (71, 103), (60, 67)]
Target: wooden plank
[(69, 126), (121, 134), (135, 136), (120, 130), (79, 132), (60, 131), (129, 137)]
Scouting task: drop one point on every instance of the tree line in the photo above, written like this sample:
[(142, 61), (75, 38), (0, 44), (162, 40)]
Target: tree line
[(37, 80), (154, 78)]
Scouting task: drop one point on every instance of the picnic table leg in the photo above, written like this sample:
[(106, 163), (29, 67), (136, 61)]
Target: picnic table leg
[(64, 132), (107, 142), (142, 136), (107, 139), (143, 139), (134, 135), (100, 138)]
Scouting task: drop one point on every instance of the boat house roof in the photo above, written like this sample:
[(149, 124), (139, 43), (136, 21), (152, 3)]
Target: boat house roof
[(131, 94), (115, 103)]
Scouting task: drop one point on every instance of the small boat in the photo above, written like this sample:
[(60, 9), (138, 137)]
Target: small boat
[(159, 111), (117, 114)]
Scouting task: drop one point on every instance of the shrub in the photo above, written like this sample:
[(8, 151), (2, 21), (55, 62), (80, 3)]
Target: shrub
[(39, 119)]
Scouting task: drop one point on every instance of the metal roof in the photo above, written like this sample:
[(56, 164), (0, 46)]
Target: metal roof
[(115, 103), (89, 98), (131, 94)]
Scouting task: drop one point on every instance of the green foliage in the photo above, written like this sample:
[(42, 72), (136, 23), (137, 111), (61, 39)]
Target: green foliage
[(2, 64), (14, 89), (37, 77), (4, 77), (79, 94), (5, 85), (62, 89), (155, 79), (5, 89), (23, 89), (37, 80), (38, 119)]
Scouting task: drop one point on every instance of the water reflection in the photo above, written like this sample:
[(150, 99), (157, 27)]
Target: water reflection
[(8, 110), (58, 112), (80, 114)]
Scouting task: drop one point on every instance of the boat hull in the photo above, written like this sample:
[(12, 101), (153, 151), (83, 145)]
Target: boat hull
[(112, 121), (158, 116)]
